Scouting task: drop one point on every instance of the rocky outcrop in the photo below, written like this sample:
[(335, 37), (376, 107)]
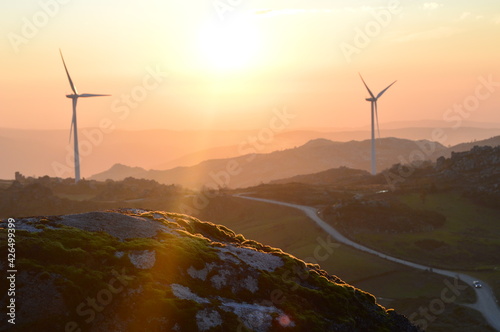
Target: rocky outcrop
[(483, 158), (475, 172), (137, 270)]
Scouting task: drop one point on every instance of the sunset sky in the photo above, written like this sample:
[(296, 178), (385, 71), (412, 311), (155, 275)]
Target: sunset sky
[(228, 63)]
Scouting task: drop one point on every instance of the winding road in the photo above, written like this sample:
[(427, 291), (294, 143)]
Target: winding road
[(486, 302)]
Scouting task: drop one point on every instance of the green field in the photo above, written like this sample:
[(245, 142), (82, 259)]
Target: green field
[(75, 197), (394, 285), (470, 238), (462, 214), (290, 230)]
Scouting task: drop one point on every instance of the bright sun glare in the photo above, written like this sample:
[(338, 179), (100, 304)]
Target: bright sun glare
[(231, 46)]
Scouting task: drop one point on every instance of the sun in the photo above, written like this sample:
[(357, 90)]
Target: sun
[(229, 46)]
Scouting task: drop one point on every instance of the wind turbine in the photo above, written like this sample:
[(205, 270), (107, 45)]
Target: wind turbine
[(74, 127), (373, 101)]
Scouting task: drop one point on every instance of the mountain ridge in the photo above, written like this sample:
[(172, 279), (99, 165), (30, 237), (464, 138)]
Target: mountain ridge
[(162, 149), (314, 156)]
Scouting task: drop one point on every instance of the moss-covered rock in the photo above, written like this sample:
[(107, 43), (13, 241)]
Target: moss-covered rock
[(136, 270)]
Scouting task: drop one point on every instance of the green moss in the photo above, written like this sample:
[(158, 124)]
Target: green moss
[(137, 244)]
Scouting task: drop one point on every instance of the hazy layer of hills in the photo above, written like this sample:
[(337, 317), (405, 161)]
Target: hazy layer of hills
[(468, 165), (137, 270), (34, 152), (315, 156)]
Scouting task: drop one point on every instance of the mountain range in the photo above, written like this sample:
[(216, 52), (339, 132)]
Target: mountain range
[(314, 156), (49, 152)]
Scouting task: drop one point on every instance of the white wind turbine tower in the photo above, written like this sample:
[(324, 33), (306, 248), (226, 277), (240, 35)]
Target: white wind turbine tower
[(373, 101), (74, 127)]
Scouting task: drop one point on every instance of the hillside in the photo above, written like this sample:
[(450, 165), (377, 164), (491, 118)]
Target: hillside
[(334, 176), (492, 141), (476, 172), (137, 270), (472, 166), (315, 156)]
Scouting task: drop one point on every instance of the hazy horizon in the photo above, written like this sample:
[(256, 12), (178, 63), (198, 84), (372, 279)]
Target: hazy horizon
[(167, 149)]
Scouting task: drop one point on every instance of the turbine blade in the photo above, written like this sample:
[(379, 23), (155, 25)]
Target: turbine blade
[(382, 92), (376, 118), (84, 95), (367, 88), (67, 73)]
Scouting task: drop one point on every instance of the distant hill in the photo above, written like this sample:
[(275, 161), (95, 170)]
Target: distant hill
[(296, 138), (465, 165), (120, 172), (337, 176), (138, 270), (315, 156), (34, 152), (493, 141)]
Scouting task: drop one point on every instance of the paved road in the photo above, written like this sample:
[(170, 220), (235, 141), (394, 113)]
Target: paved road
[(486, 302)]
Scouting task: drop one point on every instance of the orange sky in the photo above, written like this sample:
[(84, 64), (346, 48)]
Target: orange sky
[(227, 64)]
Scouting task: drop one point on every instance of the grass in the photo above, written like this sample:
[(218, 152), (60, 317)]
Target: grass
[(394, 285), (455, 317), (469, 239), (293, 232), (75, 197), (296, 234), (416, 284), (4, 184), (461, 213)]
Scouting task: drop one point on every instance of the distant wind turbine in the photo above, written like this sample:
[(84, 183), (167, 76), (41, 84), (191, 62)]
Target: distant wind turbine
[(74, 127), (373, 101)]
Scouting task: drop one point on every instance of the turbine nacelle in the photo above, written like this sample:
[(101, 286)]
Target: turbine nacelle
[(85, 95), (371, 99)]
